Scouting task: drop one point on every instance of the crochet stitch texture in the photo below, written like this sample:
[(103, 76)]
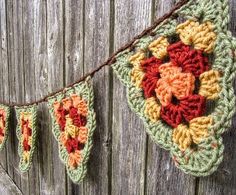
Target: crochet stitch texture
[(179, 81), (26, 132), (74, 122)]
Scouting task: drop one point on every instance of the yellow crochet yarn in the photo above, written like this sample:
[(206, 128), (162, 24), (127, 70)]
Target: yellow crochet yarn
[(210, 87), (137, 76), (26, 156), (137, 58), (184, 136), (30, 140), (159, 47), (199, 128), (152, 109), (71, 129), (201, 36)]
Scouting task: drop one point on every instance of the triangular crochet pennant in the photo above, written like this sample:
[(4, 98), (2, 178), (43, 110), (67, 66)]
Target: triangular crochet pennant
[(26, 132), (179, 79), (74, 122), (4, 124)]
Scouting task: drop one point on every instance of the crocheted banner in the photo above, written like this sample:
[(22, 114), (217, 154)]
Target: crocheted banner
[(179, 81), (74, 122), (4, 124), (26, 133)]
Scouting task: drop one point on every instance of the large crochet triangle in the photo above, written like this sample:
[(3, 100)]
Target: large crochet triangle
[(179, 79)]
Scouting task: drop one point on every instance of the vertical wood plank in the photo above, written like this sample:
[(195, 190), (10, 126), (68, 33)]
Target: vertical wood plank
[(16, 80), (96, 50), (223, 181), (44, 147), (128, 134), (29, 27), (30, 182), (3, 69), (2, 153), (55, 44), (73, 56), (73, 40), (162, 176), (9, 144)]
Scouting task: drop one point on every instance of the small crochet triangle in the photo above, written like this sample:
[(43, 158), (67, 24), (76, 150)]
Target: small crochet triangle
[(26, 132), (179, 79), (74, 122)]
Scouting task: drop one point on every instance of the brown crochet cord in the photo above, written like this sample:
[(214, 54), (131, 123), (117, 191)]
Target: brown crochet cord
[(111, 59)]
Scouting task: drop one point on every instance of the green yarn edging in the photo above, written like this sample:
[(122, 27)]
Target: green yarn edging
[(85, 91), (33, 111)]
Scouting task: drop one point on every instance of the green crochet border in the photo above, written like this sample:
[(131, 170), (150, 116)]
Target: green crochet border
[(206, 160), (7, 110), (84, 90), (33, 110)]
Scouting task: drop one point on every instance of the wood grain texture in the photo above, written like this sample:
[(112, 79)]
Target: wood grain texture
[(16, 80), (128, 135), (3, 69), (55, 51), (73, 33), (30, 180), (7, 186), (44, 148), (46, 44), (96, 51)]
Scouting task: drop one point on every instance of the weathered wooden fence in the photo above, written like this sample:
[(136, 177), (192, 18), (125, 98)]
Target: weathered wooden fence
[(46, 44)]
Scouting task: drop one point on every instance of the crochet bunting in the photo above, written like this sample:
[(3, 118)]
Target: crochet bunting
[(73, 120), (4, 124), (26, 132), (179, 80)]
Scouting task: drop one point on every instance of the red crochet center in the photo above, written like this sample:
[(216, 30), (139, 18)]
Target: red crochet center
[(25, 125), (72, 144), (191, 61)]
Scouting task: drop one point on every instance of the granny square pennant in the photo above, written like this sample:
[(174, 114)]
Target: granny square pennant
[(26, 132), (179, 80), (73, 120)]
